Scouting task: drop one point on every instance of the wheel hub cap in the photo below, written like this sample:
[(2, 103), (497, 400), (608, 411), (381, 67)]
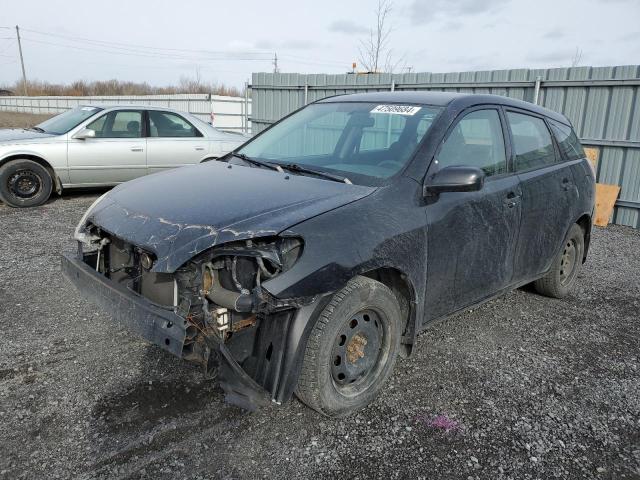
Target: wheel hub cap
[(357, 348), (24, 184)]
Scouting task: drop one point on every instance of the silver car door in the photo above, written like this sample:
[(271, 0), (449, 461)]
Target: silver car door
[(116, 154), (173, 141)]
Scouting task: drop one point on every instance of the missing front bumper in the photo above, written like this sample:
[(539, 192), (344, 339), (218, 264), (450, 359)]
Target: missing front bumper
[(163, 327)]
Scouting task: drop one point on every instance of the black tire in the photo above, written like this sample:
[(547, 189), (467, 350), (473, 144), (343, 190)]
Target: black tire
[(564, 270), (352, 349), (24, 183)]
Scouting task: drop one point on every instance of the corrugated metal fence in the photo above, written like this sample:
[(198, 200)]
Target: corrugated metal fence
[(229, 113), (602, 103)]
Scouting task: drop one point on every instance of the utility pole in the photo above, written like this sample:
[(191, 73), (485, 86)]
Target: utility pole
[(275, 63), (24, 75)]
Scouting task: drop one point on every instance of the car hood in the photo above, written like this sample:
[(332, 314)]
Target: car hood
[(11, 135), (180, 213)]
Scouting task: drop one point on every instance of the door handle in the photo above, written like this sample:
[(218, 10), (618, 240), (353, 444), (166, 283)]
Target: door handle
[(136, 149), (512, 200), (199, 148), (566, 184)]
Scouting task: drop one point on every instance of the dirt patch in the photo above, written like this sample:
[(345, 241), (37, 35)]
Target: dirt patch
[(21, 120)]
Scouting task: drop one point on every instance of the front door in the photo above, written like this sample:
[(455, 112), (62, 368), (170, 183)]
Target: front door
[(116, 154), (173, 142), (472, 235)]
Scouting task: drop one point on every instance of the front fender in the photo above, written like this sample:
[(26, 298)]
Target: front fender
[(357, 238)]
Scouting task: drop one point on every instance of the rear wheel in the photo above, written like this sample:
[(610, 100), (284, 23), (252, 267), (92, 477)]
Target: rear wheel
[(24, 183), (352, 349), (562, 276)]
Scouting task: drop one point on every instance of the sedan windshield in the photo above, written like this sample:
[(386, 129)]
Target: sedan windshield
[(66, 121), (366, 142)]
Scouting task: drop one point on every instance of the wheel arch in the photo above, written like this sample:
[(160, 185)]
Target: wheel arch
[(401, 286), (27, 156), (585, 223)]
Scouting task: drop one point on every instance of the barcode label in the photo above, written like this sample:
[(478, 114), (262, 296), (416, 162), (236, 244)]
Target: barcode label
[(397, 109)]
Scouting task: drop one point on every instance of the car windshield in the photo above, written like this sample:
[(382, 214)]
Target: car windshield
[(366, 142), (66, 121)]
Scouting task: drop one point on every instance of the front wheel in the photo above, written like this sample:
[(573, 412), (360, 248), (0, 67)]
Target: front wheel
[(352, 349), (564, 270), (24, 183)]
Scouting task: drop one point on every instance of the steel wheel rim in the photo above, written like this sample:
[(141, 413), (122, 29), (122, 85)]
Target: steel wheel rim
[(24, 184), (358, 352), (568, 262)]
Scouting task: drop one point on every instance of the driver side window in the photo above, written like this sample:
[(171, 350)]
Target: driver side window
[(118, 124), (476, 141)]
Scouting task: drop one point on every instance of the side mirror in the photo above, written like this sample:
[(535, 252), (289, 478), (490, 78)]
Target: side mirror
[(455, 179), (84, 134)]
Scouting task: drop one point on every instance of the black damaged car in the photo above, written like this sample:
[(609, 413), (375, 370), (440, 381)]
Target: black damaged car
[(311, 257)]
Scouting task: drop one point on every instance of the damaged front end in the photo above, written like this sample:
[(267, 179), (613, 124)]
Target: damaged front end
[(213, 310)]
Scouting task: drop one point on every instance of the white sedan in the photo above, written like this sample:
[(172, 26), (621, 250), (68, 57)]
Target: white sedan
[(95, 146)]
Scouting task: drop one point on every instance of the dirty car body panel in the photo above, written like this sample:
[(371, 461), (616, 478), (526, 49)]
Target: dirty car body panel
[(229, 264)]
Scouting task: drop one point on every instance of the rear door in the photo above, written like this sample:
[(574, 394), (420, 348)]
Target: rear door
[(472, 235), (173, 141), (116, 154), (549, 194)]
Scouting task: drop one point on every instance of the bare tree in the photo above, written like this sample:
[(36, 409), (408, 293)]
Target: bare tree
[(577, 57), (374, 51)]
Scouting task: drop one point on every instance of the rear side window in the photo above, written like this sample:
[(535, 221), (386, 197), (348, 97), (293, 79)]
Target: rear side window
[(532, 143), (476, 141), (165, 124), (567, 141)]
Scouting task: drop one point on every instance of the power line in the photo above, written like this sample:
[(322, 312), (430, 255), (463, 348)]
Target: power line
[(163, 52), (137, 47), (7, 47), (148, 55)]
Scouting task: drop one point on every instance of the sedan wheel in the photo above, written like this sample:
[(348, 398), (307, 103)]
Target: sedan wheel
[(24, 183)]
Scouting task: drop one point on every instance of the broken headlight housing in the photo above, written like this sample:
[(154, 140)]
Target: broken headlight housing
[(80, 234), (231, 275), (245, 265)]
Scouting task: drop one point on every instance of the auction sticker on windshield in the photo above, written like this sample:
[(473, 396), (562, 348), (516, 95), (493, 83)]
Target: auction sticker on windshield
[(397, 109)]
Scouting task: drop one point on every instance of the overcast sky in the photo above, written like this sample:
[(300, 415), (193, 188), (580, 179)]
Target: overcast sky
[(160, 41)]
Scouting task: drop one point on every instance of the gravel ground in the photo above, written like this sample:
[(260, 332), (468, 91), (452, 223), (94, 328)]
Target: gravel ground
[(522, 387)]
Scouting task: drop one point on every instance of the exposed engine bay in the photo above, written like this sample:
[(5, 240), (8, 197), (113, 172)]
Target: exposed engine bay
[(226, 311)]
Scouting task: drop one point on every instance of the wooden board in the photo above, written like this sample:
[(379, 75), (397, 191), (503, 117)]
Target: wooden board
[(593, 153), (606, 196)]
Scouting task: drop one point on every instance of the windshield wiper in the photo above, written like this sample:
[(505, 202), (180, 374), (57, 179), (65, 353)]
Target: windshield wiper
[(36, 129), (294, 167), (257, 162)]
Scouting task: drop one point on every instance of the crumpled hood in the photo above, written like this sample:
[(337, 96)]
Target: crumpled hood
[(11, 135), (179, 213)]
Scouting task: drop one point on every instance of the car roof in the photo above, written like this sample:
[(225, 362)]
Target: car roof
[(129, 107), (439, 99), (445, 99)]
